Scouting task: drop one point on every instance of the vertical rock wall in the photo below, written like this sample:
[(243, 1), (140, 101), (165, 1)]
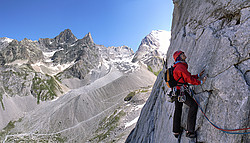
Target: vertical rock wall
[(214, 35)]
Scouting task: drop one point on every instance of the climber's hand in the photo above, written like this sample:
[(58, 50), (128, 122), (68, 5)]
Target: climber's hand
[(204, 79)]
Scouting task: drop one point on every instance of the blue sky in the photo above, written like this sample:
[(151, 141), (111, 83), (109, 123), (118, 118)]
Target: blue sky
[(110, 22)]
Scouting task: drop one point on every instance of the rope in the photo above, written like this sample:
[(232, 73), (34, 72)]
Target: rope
[(228, 131)]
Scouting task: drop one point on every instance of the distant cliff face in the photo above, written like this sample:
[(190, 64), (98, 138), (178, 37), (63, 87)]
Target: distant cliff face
[(214, 35), (23, 50)]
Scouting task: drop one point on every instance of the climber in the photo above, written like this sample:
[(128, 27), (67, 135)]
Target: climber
[(181, 73)]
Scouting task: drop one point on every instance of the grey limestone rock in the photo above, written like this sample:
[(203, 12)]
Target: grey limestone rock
[(23, 50), (4, 42), (64, 38), (215, 36)]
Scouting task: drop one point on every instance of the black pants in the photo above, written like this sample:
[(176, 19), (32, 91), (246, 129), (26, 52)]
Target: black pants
[(191, 120)]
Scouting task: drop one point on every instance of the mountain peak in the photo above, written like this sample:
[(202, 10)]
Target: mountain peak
[(88, 37), (66, 37)]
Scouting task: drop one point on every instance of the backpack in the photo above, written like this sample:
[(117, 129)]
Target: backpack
[(169, 78)]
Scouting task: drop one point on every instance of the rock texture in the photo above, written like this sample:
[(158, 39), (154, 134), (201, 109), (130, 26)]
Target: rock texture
[(4, 42), (22, 89), (64, 38), (215, 36), (25, 50)]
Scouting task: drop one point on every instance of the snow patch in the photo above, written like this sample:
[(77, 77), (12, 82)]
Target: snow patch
[(131, 122), (48, 55), (121, 62), (73, 44), (50, 69)]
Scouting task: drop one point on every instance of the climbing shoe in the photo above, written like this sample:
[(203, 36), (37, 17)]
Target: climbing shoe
[(191, 135), (176, 135)]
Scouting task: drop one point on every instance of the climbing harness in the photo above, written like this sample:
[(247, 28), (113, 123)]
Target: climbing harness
[(182, 96), (228, 131)]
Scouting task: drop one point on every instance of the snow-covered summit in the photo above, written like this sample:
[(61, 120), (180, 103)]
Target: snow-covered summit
[(153, 49), (5, 39), (163, 37), (156, 40)]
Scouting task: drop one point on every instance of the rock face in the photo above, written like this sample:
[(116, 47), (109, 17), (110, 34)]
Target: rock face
[(4, 42), (152, 50), (214, 35), (85, 55), (25, 50), (65, 37)]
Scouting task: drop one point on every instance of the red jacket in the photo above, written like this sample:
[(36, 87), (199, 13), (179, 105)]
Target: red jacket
[(181, 71)]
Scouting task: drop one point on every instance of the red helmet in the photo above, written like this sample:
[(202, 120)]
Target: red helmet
[(177, 54)]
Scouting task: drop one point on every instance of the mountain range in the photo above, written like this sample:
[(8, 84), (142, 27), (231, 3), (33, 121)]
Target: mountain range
[(66, 89)]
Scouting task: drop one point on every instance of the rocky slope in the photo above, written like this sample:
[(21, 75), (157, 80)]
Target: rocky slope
[(215, 36), (76, 115)]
